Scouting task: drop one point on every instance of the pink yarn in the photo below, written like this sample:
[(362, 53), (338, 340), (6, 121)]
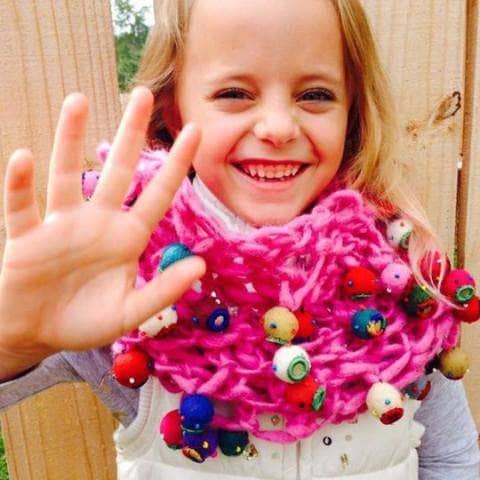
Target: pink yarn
[(300, 264)]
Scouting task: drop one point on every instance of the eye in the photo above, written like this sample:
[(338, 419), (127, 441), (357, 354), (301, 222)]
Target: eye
[(316, 95), (234, 94)]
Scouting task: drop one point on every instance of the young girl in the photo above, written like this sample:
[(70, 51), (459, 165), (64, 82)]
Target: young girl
[(305, 316)]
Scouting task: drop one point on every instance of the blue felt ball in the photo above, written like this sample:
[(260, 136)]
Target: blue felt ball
[(232, 444), (196, 412), (173, 253), (368, 323), (199, 446)]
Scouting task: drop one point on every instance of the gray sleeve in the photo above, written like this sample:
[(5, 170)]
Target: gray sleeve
[(51, 371), (91, 366), (449, 448)]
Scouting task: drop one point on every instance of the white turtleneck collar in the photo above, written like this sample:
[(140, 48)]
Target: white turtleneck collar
[(217, 209)]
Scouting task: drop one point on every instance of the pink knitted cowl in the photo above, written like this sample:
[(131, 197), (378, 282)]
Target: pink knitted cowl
[(297, 265)]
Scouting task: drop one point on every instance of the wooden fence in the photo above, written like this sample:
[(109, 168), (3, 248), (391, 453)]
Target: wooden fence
[(50, 48)]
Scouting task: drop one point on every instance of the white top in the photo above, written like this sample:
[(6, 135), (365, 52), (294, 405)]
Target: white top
[(365, 450)]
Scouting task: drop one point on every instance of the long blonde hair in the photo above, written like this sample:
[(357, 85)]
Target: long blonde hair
[(370, 164)]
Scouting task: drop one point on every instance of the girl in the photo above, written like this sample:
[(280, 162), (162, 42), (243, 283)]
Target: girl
[(296, 156)]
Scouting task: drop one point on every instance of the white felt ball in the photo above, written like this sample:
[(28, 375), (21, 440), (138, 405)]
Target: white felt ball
[(385, 402), (398, 232), (291, 363)]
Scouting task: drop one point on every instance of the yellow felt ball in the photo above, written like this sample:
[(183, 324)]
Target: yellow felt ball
[(280, 325), (453, 363)]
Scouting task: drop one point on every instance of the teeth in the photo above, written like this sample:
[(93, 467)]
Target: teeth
[(280, 172)]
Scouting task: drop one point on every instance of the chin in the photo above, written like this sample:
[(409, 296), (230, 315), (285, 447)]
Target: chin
[(269, 219)]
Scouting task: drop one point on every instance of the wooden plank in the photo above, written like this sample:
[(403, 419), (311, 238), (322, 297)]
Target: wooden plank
[(47, 50), (469, 198)]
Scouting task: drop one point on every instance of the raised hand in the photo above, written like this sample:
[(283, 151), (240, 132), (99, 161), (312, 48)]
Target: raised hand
[(67, 282)]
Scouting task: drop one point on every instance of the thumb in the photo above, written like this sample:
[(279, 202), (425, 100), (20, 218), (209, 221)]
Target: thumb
[(163, 290)]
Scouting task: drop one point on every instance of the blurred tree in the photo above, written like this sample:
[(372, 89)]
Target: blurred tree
[(130, 35)]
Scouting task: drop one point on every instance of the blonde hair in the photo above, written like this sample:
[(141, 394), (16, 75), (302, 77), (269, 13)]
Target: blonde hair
[(370, 164)]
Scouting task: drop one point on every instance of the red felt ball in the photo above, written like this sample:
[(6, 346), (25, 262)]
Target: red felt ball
[(306, 324), (469, 312), (360, 282), (433, 258), (307, 394), (132, 369), (171, 429)]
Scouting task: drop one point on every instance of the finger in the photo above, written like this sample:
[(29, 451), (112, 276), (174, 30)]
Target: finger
[(64, 184), (164, 290), (119, 167), (157, 196), (20, 205)]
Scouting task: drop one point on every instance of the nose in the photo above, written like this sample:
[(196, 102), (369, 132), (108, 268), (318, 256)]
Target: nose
[(277, 125)]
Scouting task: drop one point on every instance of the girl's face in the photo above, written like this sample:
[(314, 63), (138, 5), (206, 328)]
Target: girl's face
[(265, 82)]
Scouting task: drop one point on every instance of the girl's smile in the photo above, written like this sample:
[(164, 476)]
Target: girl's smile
[(273, 116)]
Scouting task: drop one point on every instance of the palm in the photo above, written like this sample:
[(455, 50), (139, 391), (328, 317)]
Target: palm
[(68, 282)]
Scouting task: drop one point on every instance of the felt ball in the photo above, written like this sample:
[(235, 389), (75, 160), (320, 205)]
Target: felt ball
[(368, 323), (291, 363), (453, 363), (418, 390), (200, 446), (232, 443), (159, 324), (359, 283), (306, 325), (469, 312), (432, 261), (307, 395), (218, 319), (171, 429), (419, 302), (196, 412), (132, 369), (89, 182), (173, 253), (280, 324), (398, 233), (385, 402), (458, 285), (395, 278)]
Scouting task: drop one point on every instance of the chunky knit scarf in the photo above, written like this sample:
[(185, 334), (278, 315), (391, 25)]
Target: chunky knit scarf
[(299, 265)]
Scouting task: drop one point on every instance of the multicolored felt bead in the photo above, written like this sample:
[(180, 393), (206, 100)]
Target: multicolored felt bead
[(291, 363), (418, 301), (196, 412), (306, 394), (453, 363), (199, 446), (171, 430), (232, 443), (280, 324), (469, 312), (306, 325), (418, 390), (458, 285), (398, 233), (368, 323), (89, 182), (432, 261), (132, 369), (173, 253), (395, 278), (212, 314), (160, 324), (359, 283), (385, 402)]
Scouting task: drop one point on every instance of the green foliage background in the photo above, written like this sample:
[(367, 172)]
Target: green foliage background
[(129, 42)]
